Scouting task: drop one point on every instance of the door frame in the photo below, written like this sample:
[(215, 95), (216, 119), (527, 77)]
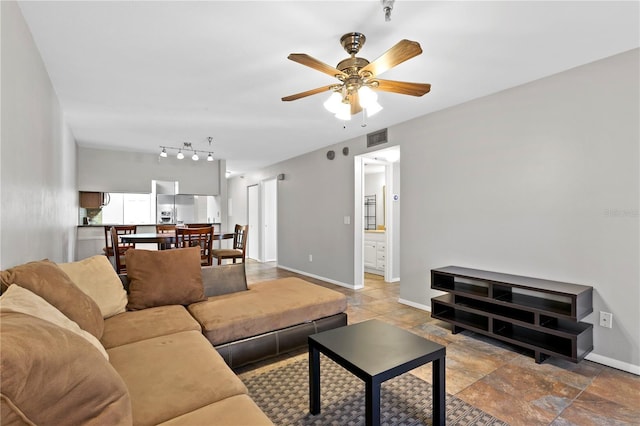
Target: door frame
[(358, 221), (254, 227), (265, 197), (257, 231)]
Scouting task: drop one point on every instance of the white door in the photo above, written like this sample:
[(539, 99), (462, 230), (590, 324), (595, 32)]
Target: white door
[(270, 219), (253, 220)]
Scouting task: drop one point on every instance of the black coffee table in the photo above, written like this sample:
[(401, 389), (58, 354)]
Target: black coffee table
[(375, 352)]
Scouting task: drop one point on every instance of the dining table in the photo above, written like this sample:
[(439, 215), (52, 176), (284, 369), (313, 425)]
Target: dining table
[(165, 240)]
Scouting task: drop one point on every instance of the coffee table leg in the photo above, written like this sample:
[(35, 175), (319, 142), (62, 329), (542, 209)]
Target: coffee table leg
[(439, 406), (314, 380), (372, 403)]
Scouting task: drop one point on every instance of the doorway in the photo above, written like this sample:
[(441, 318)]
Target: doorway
[(377, 215), (262, 217)]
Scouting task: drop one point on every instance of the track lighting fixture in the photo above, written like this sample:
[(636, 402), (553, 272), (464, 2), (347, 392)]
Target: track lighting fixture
[(186, 146)]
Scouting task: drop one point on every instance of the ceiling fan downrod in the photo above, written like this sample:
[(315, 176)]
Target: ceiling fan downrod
[(387, 7)]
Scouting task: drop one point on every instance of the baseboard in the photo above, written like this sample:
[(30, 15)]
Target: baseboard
[(329, 280), (614, 363), (415, 305)]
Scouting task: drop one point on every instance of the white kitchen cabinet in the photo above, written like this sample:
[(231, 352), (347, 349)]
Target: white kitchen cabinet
[(380, 256), (370, 254), (374, 252)]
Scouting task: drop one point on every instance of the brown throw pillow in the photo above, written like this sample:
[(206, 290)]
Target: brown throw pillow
[(50, 375), (164, 277), (224, 279), (48, 281)]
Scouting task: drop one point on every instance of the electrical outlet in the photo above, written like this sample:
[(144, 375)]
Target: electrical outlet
[(310, 258), (606, 319)]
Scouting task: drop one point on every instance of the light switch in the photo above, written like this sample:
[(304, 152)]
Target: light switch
[(347, 220)]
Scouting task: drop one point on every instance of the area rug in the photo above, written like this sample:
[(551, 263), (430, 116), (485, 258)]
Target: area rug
[(283, 394)]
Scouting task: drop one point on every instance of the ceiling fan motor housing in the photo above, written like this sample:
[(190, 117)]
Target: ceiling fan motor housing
[(352, 65)]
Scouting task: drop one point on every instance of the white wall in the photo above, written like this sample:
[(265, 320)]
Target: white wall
[(124, 171), (539, 180), (39, 200)]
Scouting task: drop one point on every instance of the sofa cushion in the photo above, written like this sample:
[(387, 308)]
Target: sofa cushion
[(52, 376), (96, 277), (48, 281), (224, 279), (169, 376), (238, 410), (266, 306), (21, 300), (133, 326), (164, 277)]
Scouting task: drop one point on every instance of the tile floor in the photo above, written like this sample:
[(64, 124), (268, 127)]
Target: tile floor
[(500, 379)]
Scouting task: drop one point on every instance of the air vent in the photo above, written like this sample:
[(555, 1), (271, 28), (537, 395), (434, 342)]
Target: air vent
[(377, 138)]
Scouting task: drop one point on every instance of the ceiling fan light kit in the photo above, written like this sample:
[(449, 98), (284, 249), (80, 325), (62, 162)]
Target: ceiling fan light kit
[(356, 91)]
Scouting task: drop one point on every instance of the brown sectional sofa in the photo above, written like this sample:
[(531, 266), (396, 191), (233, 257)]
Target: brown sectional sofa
[(272, 318), (166, 364)]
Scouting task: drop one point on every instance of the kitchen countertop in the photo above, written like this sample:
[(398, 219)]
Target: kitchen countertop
[(102, 225)]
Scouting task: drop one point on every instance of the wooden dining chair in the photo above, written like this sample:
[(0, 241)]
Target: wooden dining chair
[(120, 230), (239, 248), (197, 237), (118, 255), (165, 229), (217, 226)]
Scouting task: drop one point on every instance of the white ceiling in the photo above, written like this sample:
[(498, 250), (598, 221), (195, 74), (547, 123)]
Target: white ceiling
[(135, 75)]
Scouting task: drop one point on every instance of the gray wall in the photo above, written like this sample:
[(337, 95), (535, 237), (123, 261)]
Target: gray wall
[(528, 182), (539, 180), (38, 196), (123, 171)]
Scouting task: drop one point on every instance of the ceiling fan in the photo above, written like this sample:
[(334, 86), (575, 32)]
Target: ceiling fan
[(359, 77)]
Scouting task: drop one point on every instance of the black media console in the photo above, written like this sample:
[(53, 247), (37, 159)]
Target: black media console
[(540, 315)]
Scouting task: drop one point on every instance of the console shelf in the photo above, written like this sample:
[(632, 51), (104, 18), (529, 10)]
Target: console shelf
[(540, 315)]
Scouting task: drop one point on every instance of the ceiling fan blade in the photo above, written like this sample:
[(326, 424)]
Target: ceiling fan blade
[(402, 51), (354, 100), (304, 59), (403, 87), (308, 93)]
